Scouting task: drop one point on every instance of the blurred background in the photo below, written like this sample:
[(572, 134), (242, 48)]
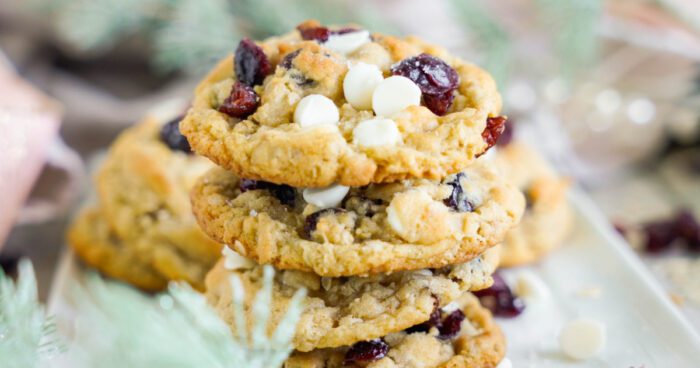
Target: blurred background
[(608, 90)]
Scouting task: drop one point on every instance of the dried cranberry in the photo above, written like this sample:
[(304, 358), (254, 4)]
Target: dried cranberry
[(434, 321), (312, 220), (251, 63), (242, 101), (289, 58), (284, 193), (171, 136), (439, 104), (434, 76), (457, 200), (366, 351), (659, 235), (500, 300), (688, 228), (321, 34), (494, 128), (451, 325), (507, 135)]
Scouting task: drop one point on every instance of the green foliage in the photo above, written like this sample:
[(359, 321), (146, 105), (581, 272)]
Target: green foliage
[(119, 326), (27, 336)]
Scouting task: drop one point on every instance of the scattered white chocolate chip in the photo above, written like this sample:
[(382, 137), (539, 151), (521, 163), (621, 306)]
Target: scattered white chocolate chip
[(326, 197), (529, 286), (316, 110), (376, 132), (393, 218), (235, 261), (395, 94), (582, 338), (347, 42), (359, 84), (505, 363), (451, 307)]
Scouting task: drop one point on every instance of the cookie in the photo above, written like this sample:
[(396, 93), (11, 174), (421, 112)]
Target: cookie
[(342, 231), (319, 106), (143, 192), (477, 343), (548, 217), (342, 311), (94, 242)]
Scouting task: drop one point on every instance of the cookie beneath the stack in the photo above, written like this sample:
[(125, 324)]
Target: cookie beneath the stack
[(381, 109), (547, 219), (143, 212)]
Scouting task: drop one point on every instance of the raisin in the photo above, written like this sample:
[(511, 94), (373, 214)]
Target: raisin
[(284, 193), (321, 34), (659, 235), (500, 300), (435, 78), (457, 200), (242, 101), (289, 58), (451, 325), (366, 351), (171, 136), (688, 228), (439, 104), (494, 128), (251, 63), (312, 220)]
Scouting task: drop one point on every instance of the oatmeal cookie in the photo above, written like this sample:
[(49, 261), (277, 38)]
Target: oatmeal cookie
[(342, 231), (466, 337), (320, 106), (143, 189), (342, 311), (547, 219)]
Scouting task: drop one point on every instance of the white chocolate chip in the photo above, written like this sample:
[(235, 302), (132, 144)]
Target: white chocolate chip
[(347, 42), (582, 338), (359, 84), (376, 132), (316, 110), (393, 218), (235, 261), (451, 307), (505, 363), (395, 94), (326, 197), (531, 287)]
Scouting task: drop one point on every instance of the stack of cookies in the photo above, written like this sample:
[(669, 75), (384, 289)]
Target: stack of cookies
[(141, 229), (348, 161)]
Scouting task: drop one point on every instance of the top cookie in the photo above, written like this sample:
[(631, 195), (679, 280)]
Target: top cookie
[(320, 106)]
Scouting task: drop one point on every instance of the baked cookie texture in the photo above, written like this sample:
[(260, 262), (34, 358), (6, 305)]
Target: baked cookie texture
[(480, 344), (143, 197), (343, 311), (269, 146), (548, 217), (379, 228)]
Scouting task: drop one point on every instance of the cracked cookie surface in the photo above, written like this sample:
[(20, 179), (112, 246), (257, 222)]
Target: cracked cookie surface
[(342, 311), (379, 228), (268, 145)]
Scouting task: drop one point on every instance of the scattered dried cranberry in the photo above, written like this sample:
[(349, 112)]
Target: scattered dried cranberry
[(458, 200), (435, 78), (494, 128), (171, 136), (251, 63), (312, 219), (500, 300), (688, 228), (285, 193), (451, 325), (366, 351), (320, 34), (659, 235), (242, 101), (507, 135)]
